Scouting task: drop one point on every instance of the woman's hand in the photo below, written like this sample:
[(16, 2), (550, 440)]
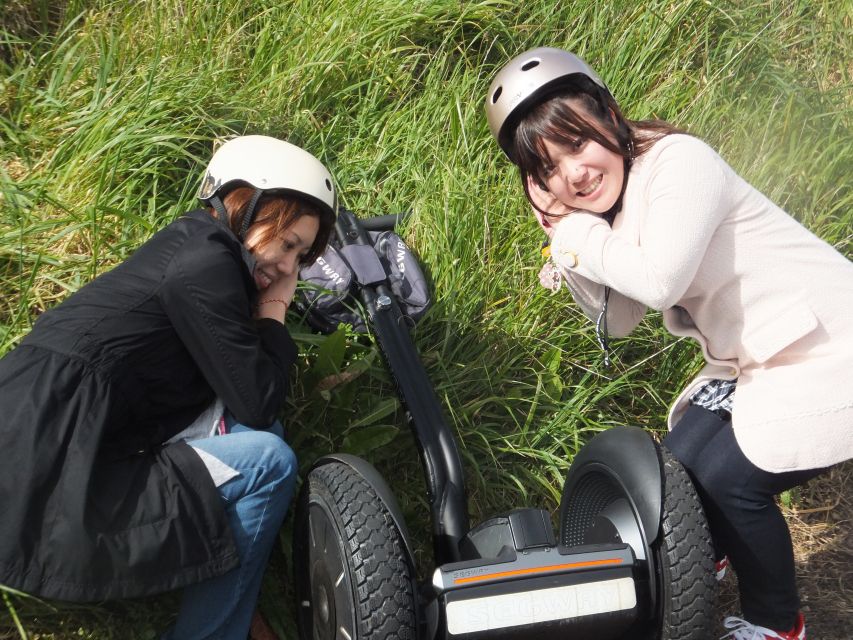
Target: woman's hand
[(546, 201), (550, 277), (274, 301), (284, 287)]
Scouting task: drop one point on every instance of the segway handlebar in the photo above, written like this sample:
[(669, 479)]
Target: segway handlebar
[(437, 447), (383, 223)]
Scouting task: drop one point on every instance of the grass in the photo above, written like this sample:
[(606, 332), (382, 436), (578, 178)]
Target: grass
[(108, 111)]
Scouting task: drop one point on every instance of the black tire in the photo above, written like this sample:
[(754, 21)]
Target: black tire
[(684, 559), (679, 564), (353, 580)]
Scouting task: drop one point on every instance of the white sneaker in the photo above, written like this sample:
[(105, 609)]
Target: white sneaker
[(743, 630)]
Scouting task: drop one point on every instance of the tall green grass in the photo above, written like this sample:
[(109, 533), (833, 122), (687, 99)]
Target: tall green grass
[(108, 111)]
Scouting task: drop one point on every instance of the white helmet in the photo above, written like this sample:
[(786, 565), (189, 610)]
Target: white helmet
[(523, 81), (267, 164)]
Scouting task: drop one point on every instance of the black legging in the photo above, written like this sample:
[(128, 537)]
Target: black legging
[(745, 521)]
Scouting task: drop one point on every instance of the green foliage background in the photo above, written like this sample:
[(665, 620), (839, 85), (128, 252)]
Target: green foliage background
[(108, 112)]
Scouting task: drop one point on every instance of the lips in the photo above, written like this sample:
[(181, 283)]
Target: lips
[(591, 187)]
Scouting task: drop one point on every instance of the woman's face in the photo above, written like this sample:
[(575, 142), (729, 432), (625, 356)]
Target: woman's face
[(583, 174), (280, 258)]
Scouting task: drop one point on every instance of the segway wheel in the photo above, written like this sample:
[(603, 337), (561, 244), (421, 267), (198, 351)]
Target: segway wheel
[(678, 565), (683, 555), (353, 579)]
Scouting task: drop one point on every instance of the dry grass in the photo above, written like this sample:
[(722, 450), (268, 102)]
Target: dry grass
[(823, 547)]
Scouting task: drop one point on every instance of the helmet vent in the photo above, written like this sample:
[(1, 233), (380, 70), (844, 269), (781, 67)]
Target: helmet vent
[(527, 66), (497, 94), (328, 184)]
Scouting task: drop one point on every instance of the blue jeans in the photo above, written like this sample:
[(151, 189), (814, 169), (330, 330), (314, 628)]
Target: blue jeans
[(255, 503)]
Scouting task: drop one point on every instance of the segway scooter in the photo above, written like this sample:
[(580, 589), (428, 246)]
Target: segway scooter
[(632, 557)]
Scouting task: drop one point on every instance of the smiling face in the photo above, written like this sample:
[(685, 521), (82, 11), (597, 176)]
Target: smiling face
[(285, 233), (575, 144), (282, 255), (583, 174)]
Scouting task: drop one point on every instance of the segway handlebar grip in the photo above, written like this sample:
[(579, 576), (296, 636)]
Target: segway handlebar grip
[(384, 223)]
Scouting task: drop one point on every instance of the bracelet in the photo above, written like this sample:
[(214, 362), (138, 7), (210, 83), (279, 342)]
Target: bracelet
[(284, 302)]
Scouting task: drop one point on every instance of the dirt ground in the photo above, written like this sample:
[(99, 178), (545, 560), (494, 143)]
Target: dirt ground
[(821, 522)]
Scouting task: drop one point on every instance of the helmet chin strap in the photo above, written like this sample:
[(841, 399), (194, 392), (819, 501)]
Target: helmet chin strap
[(249, 216), (221, 212), (222, 217)]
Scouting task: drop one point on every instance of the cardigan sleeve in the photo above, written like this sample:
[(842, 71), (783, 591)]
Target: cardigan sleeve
[(245, 361), (681, 203)]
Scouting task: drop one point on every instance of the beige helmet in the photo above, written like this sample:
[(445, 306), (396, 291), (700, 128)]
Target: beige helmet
[(523, 81), (267, 164)]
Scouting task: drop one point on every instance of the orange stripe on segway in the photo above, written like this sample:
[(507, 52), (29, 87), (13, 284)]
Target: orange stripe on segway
[(553, 567)]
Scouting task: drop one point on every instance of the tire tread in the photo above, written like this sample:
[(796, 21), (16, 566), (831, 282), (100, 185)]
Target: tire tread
[(382, 578), (686, 555)]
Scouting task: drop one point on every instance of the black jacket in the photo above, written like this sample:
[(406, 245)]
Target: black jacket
[(91, 505)]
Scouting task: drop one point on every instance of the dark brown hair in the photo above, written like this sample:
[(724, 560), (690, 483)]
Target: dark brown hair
[(599, 119), (274, 214)]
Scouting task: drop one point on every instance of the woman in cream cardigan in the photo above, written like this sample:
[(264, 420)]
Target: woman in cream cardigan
[(640, 215)]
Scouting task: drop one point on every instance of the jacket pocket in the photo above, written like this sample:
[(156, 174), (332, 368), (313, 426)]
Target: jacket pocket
[(763, 340)]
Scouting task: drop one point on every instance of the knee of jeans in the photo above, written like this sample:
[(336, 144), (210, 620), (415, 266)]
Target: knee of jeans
[(279, 459), (716, 482)]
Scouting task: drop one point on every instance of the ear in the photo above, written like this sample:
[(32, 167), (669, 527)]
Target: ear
[(613, 116)]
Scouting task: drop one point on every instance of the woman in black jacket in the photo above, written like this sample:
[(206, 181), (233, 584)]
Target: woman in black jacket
[(140, 436)]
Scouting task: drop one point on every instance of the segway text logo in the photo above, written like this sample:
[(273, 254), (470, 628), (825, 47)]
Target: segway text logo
[(477, 614), (331, 274), (401, 256)]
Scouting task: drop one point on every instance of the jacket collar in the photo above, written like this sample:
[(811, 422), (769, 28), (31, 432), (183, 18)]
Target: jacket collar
[(247, 258)]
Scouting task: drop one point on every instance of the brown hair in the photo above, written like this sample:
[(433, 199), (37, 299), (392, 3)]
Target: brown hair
[(555, 119), (274, 214)]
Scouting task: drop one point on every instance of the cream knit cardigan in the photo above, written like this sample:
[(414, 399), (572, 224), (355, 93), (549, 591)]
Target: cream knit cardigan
[(768, 301)]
